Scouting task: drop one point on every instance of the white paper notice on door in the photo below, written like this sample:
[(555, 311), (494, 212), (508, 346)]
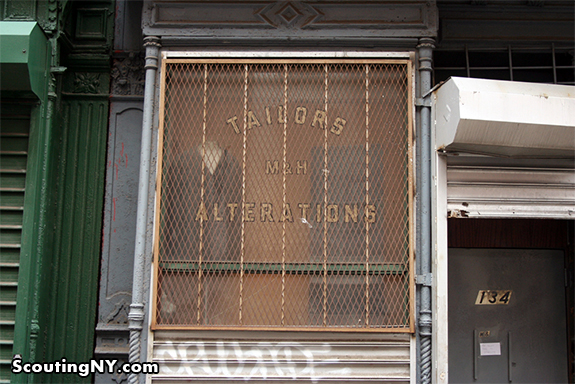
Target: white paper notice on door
[(490, 349)]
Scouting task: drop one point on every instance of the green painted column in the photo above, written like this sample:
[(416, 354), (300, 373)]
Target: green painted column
[(78, 220), (67, 89)]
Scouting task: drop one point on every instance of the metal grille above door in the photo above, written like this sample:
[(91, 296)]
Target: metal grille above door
[(285, 195)]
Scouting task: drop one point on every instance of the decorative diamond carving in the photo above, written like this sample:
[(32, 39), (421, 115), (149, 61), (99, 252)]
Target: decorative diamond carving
[(293, 14), (288, 13)]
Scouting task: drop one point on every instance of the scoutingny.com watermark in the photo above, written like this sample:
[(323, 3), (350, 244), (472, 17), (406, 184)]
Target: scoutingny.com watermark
[(63, 366)]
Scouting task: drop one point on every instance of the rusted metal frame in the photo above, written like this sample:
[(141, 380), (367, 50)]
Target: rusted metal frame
[(161, 129), (202, 192), (244, 154), (284, 190), (325, 173), (367, 194)]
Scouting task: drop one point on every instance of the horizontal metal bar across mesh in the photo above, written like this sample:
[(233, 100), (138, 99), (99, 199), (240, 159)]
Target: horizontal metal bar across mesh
[(285, 195), (299, 268)]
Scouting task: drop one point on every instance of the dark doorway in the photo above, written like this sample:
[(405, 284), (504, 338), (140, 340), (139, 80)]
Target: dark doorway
[(510, 301)]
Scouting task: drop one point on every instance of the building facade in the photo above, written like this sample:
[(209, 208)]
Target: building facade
[(55, 60), (378, 191)]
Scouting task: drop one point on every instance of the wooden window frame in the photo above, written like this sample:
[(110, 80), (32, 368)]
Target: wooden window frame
[(292, 268)]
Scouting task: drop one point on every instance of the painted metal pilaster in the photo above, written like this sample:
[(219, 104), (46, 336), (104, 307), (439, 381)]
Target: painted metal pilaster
[(424, 279), (136, 314), (36, 222)]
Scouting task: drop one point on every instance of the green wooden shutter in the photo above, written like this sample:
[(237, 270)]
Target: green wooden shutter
[(14, 129)]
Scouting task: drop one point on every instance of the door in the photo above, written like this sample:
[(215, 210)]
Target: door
[(507, 320)]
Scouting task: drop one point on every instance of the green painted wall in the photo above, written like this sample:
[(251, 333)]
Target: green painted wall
[(58, 264)]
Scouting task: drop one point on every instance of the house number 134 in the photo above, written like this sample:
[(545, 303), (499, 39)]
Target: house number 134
[(493, 297)]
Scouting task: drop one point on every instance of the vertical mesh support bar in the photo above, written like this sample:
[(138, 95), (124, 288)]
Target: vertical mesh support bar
[(284, 189), (325, 176), (202, 193), (284, 195), (244, 154), (367, 194)]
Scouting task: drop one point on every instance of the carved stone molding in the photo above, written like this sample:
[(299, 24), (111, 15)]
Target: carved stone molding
[(48, 12), (289, 14), (19, 10), (52, 11), (302, 20), (119, 377), (112, 343), (81, 81), (120, 313), (112, 340), (128, 75), (86, 82), (91, 24)]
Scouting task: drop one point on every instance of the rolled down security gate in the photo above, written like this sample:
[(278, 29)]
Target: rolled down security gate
[(517, 142), (383, 357), (284, 203)]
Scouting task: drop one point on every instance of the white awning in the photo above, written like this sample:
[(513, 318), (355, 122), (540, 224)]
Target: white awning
[(505, 118)]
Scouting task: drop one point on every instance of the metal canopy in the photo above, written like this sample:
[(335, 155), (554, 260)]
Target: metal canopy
[(23, 48), (504, 118)]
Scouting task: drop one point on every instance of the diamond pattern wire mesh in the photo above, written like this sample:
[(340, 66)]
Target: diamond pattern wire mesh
[(285, 195)]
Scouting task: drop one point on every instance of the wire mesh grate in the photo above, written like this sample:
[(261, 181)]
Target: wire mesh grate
[(285, 195)]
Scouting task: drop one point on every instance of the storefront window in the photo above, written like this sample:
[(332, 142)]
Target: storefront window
[(285, 195)]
